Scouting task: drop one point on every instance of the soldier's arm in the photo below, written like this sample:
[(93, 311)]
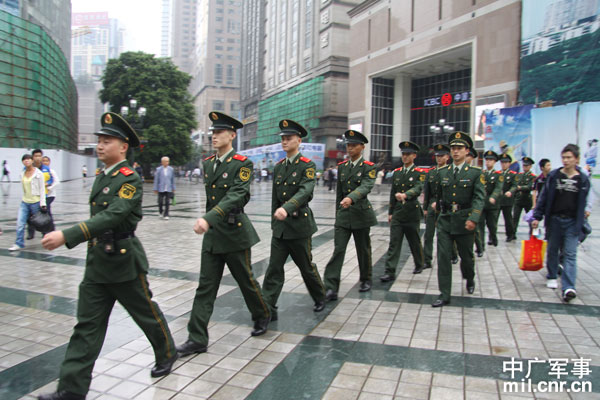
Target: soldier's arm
[(305, 189), (124, 201), (392, 196), (478, 201), (529, 186), (236, 197), (274, 200), (416, 190), (339, 196), (426, 192), (513, 185), (497, 192), (366, 184)]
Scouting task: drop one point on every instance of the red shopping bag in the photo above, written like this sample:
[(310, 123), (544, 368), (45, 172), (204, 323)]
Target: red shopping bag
[(532, 254)]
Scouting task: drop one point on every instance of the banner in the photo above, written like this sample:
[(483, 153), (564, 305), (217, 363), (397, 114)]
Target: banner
[(267, 156), (552, 129)]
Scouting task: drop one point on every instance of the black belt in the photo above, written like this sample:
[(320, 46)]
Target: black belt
[(236, 211), (454, 207), (564, 216), (124, 235)]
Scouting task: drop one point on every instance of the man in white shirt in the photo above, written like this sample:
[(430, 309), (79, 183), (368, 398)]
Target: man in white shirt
[(164, 186)]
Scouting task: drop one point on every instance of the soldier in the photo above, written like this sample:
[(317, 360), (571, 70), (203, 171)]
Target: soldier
[(116, 265), (471, 157), (229, 235), (460, 198), (523, 200), (508, 190), (442, 155), (293, 223), (405, 212), (354, 215), (493, 187)]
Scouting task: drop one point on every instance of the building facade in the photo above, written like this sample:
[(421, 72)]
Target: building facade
[(414, 63), (183, 33), (165, 28)]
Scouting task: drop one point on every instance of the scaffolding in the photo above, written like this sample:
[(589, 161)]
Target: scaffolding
[(38, 99)]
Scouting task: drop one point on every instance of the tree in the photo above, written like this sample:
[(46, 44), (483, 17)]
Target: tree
[(158, 85)]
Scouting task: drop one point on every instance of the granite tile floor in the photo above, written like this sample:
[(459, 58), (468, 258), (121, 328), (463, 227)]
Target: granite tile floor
[(385, 344)]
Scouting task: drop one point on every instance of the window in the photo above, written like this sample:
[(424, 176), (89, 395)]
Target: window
[(218, 105), (234, 106), (219, 19), (230, 74), (293, 70), (382, 119), (220, 11), (307, 63), (218, 73), (308, 25), (219, 48)]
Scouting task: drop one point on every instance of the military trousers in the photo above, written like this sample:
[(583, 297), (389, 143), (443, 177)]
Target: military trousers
[(508, 220), (398, 231), (464, 243), (96, 301), (430, 221), (211, 272), (301, 252), (518, 209), (362, 241), (489, 218)]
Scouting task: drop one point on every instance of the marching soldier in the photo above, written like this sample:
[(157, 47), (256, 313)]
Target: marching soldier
[(116, 265), (442, 155), (523, 200), (229, 235), (507, 199), (472, 156), (460, 199), (405, 211), (493, 187), (354, 215), (293, 222)]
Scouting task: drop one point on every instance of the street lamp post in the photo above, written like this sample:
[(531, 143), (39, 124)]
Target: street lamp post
[(135, 119), (440, 131)]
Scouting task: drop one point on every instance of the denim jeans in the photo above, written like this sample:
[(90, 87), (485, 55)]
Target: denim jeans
[(25, 210), (562, 234)]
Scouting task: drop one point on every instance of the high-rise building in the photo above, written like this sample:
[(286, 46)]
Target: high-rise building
[(165, 28), (563, 12), (183, 33), (216, 62), (304, 70)]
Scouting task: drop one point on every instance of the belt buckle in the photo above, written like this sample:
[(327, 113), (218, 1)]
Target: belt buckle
[(454, 207)]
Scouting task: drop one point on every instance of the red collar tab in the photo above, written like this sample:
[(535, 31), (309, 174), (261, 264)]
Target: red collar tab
[(126, 171), (306, 160), (209, 157), (369, 163), (240, 157), (342, 162)]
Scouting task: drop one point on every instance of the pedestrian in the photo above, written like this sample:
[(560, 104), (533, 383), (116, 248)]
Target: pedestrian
[(354, 215), (229, 235), (318, 177), (508, 190), (493, 191), (5, 171), (37, 155), (116, 266), (460, 196), (33, 200), (524, 185), (563, 203), (84, 171), (405, 212), (293, 223), (51, 195), (545, 167), (430, 187), (379, 180), (264, 174), (164, 186), (140, 171), (330, 178)]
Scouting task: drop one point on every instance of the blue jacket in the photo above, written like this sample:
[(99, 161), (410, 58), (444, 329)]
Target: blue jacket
[(545, 200), (164, 183)]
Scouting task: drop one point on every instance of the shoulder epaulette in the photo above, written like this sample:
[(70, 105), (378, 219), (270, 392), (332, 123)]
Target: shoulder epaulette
[(419, 169), (398, 169), (240, 157), (511, 172), (498, 172), (304, 159), (476, 167), (342, 162), (534, 175), (126, 171), (369, 163), (209, 157), (280, 161)]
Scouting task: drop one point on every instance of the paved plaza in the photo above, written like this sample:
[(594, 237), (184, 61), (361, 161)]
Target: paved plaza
[(388, 343)]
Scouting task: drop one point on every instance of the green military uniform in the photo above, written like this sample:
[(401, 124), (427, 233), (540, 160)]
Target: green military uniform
[(355, 181), (489, 215), (461, 199), (231, 235), (115, 269), (293, 186), (524, 185), (478, 244), (506, 203), (406, 215)]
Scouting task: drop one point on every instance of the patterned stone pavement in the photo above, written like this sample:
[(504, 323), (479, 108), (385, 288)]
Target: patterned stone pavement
[(388, 343)]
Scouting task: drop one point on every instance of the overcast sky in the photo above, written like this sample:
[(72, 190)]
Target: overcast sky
[(140, 18)]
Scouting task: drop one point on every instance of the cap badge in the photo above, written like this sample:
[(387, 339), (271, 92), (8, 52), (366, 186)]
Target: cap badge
[(406, 144), (457, 135), (214, 116), (439, 146), (351, 133), (108, 119), (284, 123)]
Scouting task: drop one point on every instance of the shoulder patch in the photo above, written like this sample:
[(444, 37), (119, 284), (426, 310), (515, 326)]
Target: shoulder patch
[(304, 159), (127, 191), (209, 157), (126, 171), (342, 162), (369, 163), (240, 157), (372, 173)]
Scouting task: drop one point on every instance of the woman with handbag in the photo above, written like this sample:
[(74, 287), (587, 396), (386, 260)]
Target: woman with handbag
[(33, 201)]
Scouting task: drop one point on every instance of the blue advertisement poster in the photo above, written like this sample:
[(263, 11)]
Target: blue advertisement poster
[(508, 130), (267, 156)]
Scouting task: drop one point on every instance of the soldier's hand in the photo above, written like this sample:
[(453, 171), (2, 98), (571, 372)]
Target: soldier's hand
[(390, 218), (346, 202), (470, 225), (434, 205), (400, 196), (425, 213), (201, 226), (508, 194), (586, 214), (492, 200), (52, 240), (280, 214), (535, 223)]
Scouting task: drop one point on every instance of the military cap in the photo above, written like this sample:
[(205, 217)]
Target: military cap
[(289, 127), (352, 136), (504, 157), (527, 161), (473, 152), (460, 139), (223, 121), (115, 125), (441, 149), (409, 147), (491, 155)]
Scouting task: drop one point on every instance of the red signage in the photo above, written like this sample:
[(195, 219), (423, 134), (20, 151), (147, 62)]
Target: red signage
[(89, 19), (338, 155), (446, 99)]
